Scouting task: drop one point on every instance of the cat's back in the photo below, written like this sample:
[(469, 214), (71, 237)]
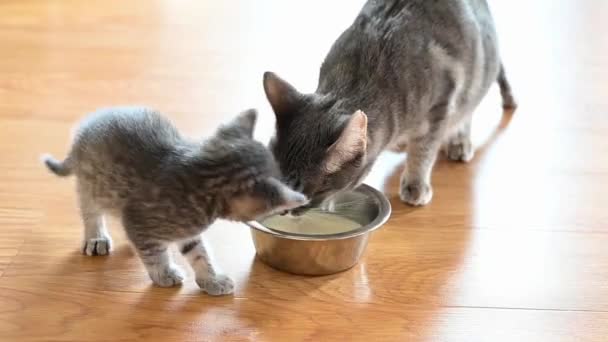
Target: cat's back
[(408, 53), (127, 134), (138, 128), (390, 35), (415, 23), (119, 153)]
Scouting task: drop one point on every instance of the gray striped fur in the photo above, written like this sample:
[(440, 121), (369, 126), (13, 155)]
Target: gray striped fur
[(417, 69), (133, 163)]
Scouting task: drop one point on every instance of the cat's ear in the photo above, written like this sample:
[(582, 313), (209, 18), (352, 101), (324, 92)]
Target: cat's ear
[(241, 126), (283, 97), (278, 196), (267, 197), (287, 198), (351, 143)]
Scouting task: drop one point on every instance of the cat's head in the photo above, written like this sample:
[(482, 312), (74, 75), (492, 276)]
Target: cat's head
[(320, 147), (249, 178)]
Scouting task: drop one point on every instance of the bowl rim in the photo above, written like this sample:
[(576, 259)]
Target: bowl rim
[(384, 212)]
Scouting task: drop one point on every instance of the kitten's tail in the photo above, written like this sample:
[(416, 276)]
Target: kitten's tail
[(60, 168)]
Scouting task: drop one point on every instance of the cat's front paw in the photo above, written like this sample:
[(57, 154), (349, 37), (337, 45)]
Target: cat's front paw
[(460, 150), (217, 285), (97, 246), (167, 277), (415, 193)]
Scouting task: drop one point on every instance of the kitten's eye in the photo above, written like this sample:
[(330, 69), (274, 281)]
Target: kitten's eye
[(293, 182), (297, 185)]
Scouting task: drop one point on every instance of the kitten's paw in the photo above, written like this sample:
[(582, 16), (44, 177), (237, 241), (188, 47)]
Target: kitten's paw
[(97, 246), (167, 277), (217, 285), (415, 193), (460, 150)]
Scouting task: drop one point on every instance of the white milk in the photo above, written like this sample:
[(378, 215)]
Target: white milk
[(312, 223)]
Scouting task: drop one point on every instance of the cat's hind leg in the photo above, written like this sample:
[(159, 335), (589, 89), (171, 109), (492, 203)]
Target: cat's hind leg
[(208, 277), (96, 239), (508, 101), (421, 155), (459, 147)]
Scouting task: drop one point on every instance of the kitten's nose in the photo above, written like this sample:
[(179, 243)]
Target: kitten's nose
[(299, 211)]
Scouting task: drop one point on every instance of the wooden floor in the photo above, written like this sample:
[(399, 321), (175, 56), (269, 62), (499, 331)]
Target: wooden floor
[(514, 246)]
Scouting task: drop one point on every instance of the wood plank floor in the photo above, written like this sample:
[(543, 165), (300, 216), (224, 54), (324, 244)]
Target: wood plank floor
[(512, 248)]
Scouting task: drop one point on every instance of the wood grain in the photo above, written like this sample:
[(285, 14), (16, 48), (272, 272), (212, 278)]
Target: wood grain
[(512, 248)]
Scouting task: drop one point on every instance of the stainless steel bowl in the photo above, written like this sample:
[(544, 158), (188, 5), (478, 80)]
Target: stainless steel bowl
[(324, 254)]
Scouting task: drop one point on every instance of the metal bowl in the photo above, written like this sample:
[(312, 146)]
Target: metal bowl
[(324, 254)]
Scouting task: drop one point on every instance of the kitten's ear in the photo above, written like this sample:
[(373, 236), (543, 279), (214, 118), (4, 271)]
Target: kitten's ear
[(283, 97), (242, 126), (287, 198), (352, 142), (268, 196)]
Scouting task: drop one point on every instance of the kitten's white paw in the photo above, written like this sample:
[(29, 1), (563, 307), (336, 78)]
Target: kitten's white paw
[(217, 285), (460, 150), (415, 193), (97, 246), (167, 277)]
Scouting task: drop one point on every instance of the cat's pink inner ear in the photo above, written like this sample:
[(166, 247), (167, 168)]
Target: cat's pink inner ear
[(291, 199), (283, 97), (287, 198), (243, 208), (351, 142)]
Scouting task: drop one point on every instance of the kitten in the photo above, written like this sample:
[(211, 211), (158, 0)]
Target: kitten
[(407, 72), (133, 163)]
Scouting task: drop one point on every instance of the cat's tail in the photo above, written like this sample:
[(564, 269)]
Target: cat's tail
[(60, 168)]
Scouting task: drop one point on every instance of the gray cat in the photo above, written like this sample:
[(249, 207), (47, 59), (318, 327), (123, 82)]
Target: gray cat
[(407, 72), (133, 163)]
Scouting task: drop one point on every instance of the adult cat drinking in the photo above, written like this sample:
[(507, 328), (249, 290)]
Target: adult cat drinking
[(405, 72)]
